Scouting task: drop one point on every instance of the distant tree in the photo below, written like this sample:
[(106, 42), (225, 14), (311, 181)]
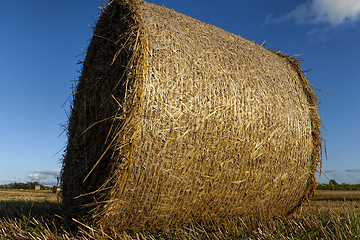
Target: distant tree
[(334, 182), (20, 185), (336, 186)]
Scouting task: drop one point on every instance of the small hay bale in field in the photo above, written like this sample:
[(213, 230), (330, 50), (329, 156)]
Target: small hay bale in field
[(37, 187), (175, 119), (55, 189)]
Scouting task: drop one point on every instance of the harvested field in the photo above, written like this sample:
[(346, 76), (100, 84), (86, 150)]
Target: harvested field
[(331, 195), (336, 193), (27, 195), (38, 219)]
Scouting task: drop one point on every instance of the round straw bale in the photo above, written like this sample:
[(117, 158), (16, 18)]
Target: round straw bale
[(175, 119)]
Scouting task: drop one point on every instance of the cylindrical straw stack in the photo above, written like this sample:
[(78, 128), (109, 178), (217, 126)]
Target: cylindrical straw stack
[(174, 119)]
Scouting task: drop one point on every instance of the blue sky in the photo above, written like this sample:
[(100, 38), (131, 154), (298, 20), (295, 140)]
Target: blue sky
[(40, 44)]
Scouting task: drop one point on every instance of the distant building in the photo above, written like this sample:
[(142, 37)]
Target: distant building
[(37, 187)]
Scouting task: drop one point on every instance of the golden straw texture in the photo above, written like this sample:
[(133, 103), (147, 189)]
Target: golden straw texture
[(174, 119)]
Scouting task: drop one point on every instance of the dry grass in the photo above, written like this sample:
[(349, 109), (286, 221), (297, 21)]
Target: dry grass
[(329, 195), (337, 193), (38, 219), (27, 195)]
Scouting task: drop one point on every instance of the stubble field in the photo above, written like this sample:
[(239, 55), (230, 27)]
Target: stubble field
[(26, 195), (30, 214)]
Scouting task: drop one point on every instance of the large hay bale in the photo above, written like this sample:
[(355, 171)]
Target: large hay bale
[(175, 119)]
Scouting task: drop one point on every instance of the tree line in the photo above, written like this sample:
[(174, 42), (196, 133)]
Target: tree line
[(333, 185), (20, 185)]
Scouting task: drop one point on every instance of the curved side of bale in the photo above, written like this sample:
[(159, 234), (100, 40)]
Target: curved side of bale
[(174, 119), (316, 139)]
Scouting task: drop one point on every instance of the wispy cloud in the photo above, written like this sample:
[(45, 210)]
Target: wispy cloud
[(323, 15), (353, 170), (333, 12), (53, 172), (328, 170), (45, 177), (351, 176)]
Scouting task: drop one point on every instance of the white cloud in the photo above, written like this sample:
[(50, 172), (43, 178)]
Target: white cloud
[(45, 177), (54, 172), (353, 170), (33, 177), (333, 12)]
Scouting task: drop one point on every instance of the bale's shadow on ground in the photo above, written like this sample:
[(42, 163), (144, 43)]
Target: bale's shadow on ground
[(36, 209)]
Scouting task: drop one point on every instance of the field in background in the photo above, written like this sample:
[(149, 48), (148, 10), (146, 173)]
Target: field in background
[(30, 214), (337, 192), (337, 195), (27, 195)]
